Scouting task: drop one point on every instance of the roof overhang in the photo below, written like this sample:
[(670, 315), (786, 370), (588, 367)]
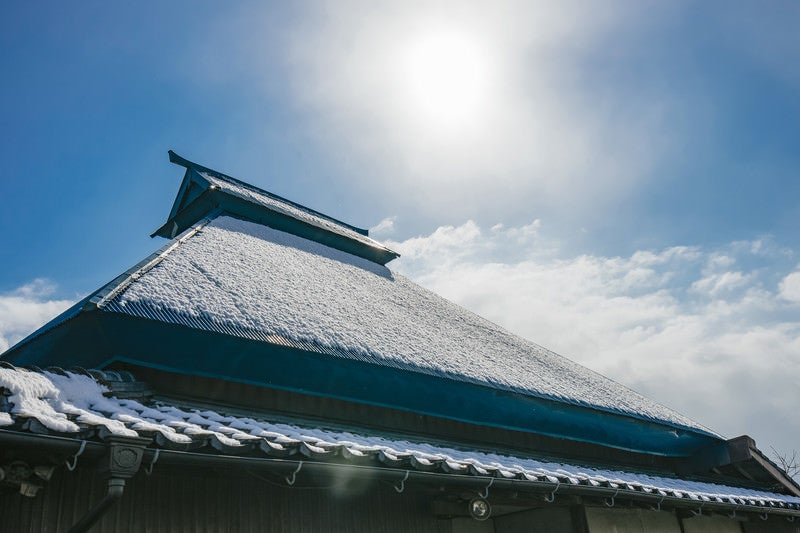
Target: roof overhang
[(102, 339)]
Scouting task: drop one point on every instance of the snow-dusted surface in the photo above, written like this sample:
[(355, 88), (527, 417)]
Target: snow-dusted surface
[(58, 402), (64, 403), (255, 195), (237, 275)]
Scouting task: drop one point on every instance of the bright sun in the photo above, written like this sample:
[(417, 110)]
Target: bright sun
[(447, 75)]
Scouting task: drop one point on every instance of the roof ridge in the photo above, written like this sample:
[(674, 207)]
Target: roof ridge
[(111, 290), (182, 161)]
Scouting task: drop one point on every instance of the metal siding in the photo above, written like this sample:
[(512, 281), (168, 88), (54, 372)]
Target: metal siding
[(177, 501), (711, 524)]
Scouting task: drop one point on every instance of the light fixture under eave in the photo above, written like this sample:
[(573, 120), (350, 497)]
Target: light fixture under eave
[(480, 509)]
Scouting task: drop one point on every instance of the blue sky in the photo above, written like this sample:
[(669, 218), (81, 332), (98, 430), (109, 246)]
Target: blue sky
[(643, 158)]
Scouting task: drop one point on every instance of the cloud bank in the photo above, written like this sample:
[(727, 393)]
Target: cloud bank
[(712, 333), (544, 118), (25, 309)]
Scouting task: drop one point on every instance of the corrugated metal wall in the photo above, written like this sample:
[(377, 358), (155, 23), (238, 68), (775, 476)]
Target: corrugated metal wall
[(202, 503), (176, 500)]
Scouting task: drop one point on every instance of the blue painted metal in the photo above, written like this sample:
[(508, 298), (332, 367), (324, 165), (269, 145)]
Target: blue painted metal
[(190, 165), (198, 196), (97, 339)]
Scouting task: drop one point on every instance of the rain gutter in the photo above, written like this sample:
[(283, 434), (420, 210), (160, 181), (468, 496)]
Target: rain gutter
[(293, 469)]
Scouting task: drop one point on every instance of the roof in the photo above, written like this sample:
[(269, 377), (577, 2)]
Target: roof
[(387, 340), (237, 277), (260, 290), (63, 404)]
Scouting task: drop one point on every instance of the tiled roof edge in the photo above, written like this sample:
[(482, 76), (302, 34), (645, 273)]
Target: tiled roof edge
[(221, 438)]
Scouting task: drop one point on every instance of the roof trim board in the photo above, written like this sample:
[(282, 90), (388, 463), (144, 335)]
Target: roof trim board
[(371, 386), (101, 339)]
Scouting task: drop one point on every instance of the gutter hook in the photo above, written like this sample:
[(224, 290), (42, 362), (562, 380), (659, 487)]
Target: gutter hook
[(291, 480), (485, 493), (72, 466), (612, 499), (149, 469), (658, 506), (402, 485), (552, 496)]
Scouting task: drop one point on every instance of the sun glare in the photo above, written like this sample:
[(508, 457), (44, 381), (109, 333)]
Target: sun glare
[(447, 77)]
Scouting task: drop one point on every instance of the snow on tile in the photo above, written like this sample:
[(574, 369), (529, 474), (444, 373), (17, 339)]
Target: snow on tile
[(50, 397), (237, 274), (32, 395)]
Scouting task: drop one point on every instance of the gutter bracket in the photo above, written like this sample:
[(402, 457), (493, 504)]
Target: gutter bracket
[(291, 480), (485, 493), (121, 461), (71, 466), (149, 469), (552, 497), (402, 486), (613, 496), (658, 505)]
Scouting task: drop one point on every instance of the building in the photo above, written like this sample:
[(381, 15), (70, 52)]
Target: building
[(265, 371)]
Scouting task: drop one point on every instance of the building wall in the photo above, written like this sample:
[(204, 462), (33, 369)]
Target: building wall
[(602, 520), (605, 520), (545, 520), (215, 503), (711, 524), (181, 500), (771, 525)]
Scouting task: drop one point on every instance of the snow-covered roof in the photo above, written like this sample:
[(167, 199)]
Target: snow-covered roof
[(240, 278), (71, 404)]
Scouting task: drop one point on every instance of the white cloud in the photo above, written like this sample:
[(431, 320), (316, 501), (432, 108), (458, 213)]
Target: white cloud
[(676, 324), (549, 127), (790, 287), (25, 309), (383, 228), (716, 284)]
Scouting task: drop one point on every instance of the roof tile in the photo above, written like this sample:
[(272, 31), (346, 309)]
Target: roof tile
[(36, 397)]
